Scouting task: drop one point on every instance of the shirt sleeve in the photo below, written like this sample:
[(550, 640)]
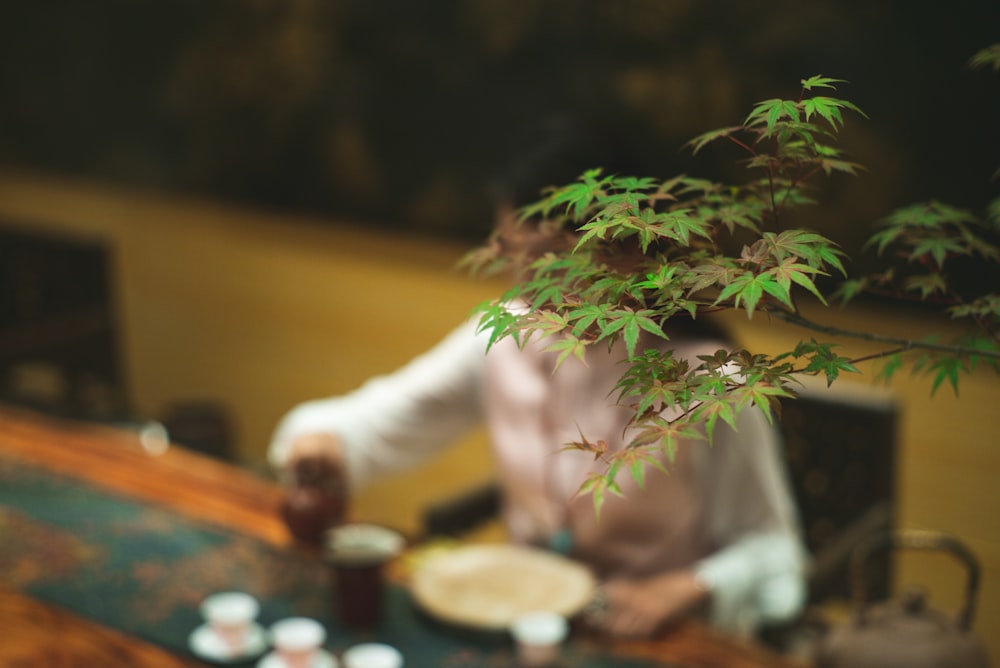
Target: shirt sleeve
[(757, 575), (398, 420)]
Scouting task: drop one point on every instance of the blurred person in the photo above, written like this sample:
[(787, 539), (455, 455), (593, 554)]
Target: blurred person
[(716, 537)]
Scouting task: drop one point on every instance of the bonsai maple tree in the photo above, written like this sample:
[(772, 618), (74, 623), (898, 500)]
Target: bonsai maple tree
[(646, 250)]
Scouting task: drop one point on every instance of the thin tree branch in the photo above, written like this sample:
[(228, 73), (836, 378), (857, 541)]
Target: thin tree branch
[(879, 355), (903, 344)]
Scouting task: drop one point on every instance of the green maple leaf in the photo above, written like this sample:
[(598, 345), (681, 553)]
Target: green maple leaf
[(552, 293), (823, 106), (777, 285), (578, 197), (762, 395), (568, 345), (937, 247), (633, 183), (706, 138), (975, 245), (709, 412), (829, 166), (718, 270), (829, 109), (993, 208), (850, 289), (927, 284), (629, 323), (659, 395), (932, 214), (945, 368), (550, 322), (665, 277), (597, 484), (987, 344), (888, 368), (597, 448), (668, 435), (500, 322), (984, 306), (586, 315), (815, 249), (883, 238), (988, 57), (638, 460), (680, 225), (690, 186), (746, 289), (800, 274), (597, 228), (823, 359), (739, 215), (819, 81), (768, 112), (825, 151)]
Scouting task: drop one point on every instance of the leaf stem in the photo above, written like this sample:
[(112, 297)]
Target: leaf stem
[(742, 145)]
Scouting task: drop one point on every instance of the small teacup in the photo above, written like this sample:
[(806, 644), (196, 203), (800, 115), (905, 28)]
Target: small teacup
[(372, 655), (230, 615), (297, 640), (538, 637)]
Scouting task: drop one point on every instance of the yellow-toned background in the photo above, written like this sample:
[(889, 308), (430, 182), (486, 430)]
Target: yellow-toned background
[(264, 311)]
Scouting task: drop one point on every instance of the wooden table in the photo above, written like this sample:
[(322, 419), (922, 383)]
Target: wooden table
[(235, 499)]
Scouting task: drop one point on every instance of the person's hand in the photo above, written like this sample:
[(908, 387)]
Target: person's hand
[(316, 445), (640, 607)]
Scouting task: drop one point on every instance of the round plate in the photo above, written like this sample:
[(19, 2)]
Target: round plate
[(488, 586)]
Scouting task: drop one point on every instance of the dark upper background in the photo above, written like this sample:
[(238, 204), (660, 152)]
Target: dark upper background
[(396, 114)]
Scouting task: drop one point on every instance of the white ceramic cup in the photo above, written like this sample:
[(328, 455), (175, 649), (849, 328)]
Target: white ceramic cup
[(538, 637), (372, 655), (297, 640), (230, 615)]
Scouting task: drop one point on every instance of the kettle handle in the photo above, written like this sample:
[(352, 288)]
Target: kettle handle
[(921, 540)]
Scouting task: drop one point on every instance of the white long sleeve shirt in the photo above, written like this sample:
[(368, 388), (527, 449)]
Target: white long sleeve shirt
[(723, 509)]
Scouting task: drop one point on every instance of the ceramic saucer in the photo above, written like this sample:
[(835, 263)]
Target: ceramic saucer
[(323, 659), (207, 644)]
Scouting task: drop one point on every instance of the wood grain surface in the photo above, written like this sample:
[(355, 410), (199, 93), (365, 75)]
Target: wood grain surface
[(181, 480), (35, 634)]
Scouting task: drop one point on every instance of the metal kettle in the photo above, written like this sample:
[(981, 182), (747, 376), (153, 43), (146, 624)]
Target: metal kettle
[(906, 633)]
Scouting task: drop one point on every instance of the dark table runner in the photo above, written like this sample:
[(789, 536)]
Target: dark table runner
[(144, 570)]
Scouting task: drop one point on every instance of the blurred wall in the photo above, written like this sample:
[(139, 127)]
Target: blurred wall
[(264, 311), (400, 112)]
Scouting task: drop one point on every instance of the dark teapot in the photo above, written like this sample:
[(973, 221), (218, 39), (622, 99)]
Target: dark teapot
[(315, 499), (906, 633)]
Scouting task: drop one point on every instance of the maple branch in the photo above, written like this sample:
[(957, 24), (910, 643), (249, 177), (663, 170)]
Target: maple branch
[(903, 344), (879, 355)]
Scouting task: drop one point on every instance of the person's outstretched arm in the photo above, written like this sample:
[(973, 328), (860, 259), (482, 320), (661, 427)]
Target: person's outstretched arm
[(395, 421)]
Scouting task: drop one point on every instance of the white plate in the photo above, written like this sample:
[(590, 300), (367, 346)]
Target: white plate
[(323, 660), (488, 586), (207, 644)]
